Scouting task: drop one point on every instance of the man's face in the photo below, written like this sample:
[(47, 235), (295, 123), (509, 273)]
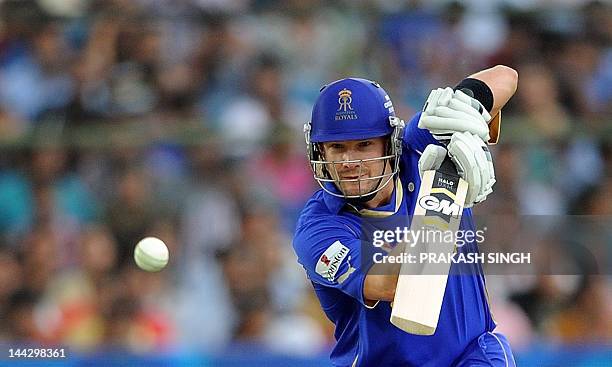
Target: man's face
[(354, 150)]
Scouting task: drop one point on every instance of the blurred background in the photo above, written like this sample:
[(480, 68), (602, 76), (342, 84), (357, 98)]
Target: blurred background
[(182, 119)]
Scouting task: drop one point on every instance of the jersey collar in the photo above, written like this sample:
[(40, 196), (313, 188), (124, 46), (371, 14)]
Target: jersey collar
[(333, 203)]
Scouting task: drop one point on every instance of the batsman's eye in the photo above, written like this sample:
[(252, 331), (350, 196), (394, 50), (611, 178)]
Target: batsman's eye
[(365, 144)]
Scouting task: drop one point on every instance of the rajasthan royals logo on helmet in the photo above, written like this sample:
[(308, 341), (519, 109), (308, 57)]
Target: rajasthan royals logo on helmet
[(345, 111), (345, 100)]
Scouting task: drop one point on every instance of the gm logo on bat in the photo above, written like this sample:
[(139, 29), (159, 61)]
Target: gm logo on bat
[(446, 207)]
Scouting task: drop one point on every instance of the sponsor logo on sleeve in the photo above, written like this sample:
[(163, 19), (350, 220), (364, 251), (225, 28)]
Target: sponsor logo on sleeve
[(329, 263)]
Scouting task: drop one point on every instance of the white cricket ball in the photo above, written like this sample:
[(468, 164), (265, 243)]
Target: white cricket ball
[(151, 254)]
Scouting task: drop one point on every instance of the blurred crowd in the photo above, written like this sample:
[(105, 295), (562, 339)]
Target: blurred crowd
[(121, 119)]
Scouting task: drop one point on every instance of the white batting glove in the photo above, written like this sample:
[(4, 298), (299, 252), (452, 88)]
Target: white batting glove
[(472, 159), (447, 112), (474, 164), (432, 158)]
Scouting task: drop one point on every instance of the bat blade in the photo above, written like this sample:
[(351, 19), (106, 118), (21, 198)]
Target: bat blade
[(419, 296)]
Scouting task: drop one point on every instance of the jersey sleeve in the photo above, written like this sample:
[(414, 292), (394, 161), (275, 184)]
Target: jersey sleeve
[(416, 138), (332, 255)]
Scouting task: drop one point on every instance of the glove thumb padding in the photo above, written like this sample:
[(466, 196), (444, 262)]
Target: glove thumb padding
[(474, 164), (431, 158)]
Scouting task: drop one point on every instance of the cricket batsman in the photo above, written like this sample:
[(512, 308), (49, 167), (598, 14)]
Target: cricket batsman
[(369, 163)]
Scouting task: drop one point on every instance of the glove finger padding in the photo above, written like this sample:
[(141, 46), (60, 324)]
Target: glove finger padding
[(448, 119), (474, 103), (474, 164), (447, 111), (432, 158), (488, 188), (474, 112), (483, 165), (461, 149)]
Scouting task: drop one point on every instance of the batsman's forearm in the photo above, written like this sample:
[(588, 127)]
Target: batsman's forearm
[(502, 80), (381, 281), (380, 287)]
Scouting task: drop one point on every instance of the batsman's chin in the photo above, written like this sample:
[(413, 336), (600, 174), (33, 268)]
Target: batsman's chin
[(354, 189)]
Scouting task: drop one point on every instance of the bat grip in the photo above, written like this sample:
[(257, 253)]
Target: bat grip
[(448, 167)]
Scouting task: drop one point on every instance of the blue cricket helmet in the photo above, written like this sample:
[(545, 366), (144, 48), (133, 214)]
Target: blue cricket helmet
[(353, 109)]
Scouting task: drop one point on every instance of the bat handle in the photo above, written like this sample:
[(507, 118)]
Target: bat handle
[(448, 167)]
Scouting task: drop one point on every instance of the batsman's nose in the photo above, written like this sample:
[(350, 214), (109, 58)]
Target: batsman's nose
[(350, 162)]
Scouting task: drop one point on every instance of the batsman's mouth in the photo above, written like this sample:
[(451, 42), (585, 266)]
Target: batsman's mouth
[(353, 177)]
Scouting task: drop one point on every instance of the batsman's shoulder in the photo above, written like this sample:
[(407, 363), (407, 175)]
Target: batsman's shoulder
[(312, 229), (314, 232), (314, 206)]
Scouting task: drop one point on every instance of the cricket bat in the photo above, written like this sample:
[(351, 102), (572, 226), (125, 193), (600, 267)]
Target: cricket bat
[(418, 297)]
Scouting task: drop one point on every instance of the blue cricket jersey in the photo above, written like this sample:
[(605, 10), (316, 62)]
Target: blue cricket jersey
[(328, 245)]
